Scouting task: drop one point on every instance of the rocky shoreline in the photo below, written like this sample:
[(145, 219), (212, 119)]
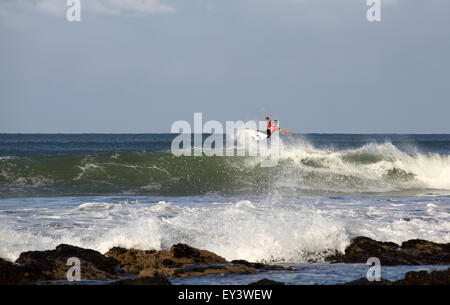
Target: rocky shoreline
[(412, 278), (151, 267), (122, 266), (413, 252)]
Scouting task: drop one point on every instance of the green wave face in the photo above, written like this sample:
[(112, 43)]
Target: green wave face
[(300, 170), (153, 173)]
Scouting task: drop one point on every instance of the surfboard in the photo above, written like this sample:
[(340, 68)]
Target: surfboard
[(256, 134)]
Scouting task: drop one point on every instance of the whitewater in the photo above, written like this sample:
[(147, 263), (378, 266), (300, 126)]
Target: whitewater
[(102, 191), (255, 229)]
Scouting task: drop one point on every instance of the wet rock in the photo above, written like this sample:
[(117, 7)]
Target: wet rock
[(180, 261), (266, 281), (52, 264), (246, 263), (364, 282), (362, 248), (134, 261), (149, 266), (412, 252), (170, 263), (259, 266), (427, 252), (179, 255), (189, 271), (435, 277), (153, 280), (183, 251), (11, 274), (424, 278)]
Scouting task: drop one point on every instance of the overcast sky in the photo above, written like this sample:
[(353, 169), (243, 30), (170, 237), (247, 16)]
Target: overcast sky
[(140, 65)]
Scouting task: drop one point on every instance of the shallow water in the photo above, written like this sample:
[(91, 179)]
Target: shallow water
[(308, 274)]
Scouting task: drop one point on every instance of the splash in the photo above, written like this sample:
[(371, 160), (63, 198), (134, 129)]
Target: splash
[(271, 229)]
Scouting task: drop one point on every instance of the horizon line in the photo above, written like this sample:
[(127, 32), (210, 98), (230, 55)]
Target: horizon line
[(294, 133)]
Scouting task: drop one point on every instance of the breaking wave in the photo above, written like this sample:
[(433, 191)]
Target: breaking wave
[(267, 229), (302, 169)]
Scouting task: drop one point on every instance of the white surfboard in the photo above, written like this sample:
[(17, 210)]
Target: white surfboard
[(256, 134)]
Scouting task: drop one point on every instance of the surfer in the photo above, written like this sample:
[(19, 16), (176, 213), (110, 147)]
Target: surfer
[(273, 126)]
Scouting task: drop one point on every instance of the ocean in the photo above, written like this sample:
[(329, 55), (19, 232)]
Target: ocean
[(103, 190)]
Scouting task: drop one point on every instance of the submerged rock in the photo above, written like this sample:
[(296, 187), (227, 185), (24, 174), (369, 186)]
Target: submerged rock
[(412, 278), (259, 266), (266, 281), (424, 278), (364, 282), (198, 270), (153, 280), (411, 252)]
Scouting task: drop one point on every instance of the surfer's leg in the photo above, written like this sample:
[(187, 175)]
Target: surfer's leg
[(268, 133)]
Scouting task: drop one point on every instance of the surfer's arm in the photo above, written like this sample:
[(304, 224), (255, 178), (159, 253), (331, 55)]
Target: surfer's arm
[(284, 131)]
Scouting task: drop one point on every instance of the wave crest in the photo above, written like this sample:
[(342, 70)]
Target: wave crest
[(302, 169)]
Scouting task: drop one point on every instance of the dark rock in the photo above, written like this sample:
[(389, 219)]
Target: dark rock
[(183, 250), (117, 251), (424, 278), (133, 260), (265, 281), (427, 252), (154, 280), (150, 266), (52, 264), (181, 261), (412, 252), (259, 266), (170, 263), (412, 278), (362, 248), (364, 281), (246, 263), (199, 270), (11, 274), (196, 255)]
